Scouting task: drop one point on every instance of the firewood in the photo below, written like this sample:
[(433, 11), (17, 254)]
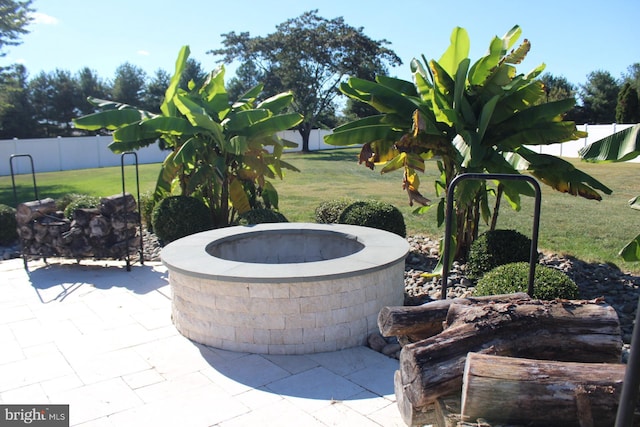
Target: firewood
[(117, 203), (82, 216), (99, 226), (544, 393), (27, 211), (423, 321), (578, 331)]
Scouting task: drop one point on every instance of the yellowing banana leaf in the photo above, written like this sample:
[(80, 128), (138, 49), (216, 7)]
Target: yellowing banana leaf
[(238, 196), (622, 146), (562, 175)]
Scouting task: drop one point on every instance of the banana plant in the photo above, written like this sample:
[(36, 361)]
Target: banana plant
[(219, 149), (621, 146), (471, 118)]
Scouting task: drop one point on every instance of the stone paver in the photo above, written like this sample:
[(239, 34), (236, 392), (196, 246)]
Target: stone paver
[(100, 339)]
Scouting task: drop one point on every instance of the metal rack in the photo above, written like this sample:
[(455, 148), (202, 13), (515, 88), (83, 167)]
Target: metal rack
[(26, 256), (446, 256)]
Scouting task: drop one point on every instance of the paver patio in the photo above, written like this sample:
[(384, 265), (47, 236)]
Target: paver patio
[(100, 339)]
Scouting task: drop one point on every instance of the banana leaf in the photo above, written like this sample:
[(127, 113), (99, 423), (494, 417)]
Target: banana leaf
[(631, 251), (110, 119), (622, 146)]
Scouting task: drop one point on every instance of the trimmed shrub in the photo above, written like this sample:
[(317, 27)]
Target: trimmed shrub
[(8, 225), (329, 212), (71, 202), (494, 248), (179, 216), (549, 283), (374, 214), (261, 216)]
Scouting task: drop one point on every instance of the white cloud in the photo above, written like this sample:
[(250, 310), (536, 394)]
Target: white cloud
[(43, 18), (143, 52)]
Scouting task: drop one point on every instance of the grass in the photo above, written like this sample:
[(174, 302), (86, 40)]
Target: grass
[(589, 230)]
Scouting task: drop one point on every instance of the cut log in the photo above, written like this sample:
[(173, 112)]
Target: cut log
[(27, 211), (82, 216), (117, 203), (578, 331), (409, 414), (535, 392), (99, 226), (423, 321)]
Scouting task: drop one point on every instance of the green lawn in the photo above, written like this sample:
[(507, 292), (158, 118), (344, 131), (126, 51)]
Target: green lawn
[(589, 230)]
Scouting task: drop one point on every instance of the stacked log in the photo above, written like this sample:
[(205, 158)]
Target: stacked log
[(110, 231), (432, 367)]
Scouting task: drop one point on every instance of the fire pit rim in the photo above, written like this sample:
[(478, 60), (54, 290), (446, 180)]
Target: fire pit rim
[(189, 255)]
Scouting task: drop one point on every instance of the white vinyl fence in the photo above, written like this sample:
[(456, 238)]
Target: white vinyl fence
[(57, 154)]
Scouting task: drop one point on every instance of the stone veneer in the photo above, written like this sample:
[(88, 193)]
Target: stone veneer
[(285, 308)]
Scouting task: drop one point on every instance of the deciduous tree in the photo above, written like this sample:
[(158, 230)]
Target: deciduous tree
[(310, 56)]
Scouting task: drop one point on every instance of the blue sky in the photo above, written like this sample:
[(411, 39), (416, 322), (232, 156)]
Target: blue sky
[(571, 38)]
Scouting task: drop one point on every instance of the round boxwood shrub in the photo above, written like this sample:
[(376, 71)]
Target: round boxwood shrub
[(374, 214), (261, 216), (329, 212), (548, 284), (494, 248), (8, 225), (71, 202), (179, 216)]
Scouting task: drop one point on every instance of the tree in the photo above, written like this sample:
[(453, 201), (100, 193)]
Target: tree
[(632, 76), (40, 95), (14, 18), (218, 148), (65, 93), (476, 118), (627, 109), (247, 76), (192, 72), (599, 97), (155, 90), (310, 56), (129, 84), (16, 113), (89, 84)]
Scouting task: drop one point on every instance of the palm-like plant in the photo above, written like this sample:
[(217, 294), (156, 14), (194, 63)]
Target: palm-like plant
[(473, 118), (218, 148)]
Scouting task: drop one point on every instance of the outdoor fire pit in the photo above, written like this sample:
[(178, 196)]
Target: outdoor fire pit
[(285, 288)]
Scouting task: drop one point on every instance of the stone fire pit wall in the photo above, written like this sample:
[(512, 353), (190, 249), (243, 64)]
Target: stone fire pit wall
[(288, 288)]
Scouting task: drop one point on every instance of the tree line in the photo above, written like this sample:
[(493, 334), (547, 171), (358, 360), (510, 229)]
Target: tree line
[(43, 106)]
